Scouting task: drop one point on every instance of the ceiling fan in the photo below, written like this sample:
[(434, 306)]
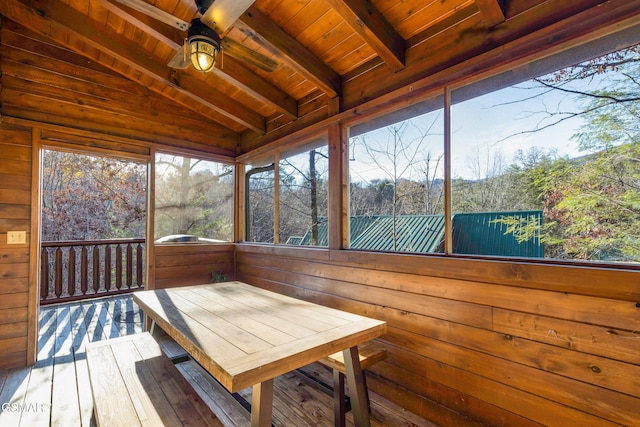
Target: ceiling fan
[(205, 35)]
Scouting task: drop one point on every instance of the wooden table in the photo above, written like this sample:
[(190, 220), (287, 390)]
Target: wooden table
[(246, 336)]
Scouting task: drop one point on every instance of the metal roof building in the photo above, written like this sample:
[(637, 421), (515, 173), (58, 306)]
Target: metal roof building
[(479, 233)]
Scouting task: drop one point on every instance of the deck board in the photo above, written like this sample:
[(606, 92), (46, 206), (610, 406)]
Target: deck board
[(58, 393), (39, 390)]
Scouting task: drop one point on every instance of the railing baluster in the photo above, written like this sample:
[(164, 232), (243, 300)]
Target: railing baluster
[(129, 266), (44, 274), (63, 280), (118, 266), (71, 272), (139, 272), (84, 270), (96, 269), (107, 268), (58, 270)]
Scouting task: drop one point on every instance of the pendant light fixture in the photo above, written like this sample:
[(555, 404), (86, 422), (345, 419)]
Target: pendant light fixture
[(204, 44)]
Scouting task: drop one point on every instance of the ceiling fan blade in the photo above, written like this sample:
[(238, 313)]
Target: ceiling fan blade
[(249, 56), (223, 13), (157, 13), (182, 58)]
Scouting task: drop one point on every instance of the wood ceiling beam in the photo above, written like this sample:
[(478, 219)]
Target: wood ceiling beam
[(51, 17), (289, 51), (234, 72), (491, 11), (168, 35), (366, 20)]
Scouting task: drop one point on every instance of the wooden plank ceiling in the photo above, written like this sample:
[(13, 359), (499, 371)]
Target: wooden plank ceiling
[(330, 54)]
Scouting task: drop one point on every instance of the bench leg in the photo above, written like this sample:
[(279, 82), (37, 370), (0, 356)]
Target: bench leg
[(262, 404), (339, 407), (357, 388)]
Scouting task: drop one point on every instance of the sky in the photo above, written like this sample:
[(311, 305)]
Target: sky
[(496, 124)]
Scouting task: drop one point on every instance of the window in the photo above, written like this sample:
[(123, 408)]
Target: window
[(303, 197), (297, 206), (260, 215), (544, 163), (550, 166), (396, 182), (194, 200)]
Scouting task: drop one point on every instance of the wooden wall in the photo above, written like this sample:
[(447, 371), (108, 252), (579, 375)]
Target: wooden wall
[(48, 84), (181, 265), (72, 102), (15, 215), (480, 342)]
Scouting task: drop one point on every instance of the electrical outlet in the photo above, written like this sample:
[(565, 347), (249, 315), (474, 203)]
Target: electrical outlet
[(16, 237)]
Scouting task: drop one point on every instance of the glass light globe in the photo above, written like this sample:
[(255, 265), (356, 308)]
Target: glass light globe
[(203, 55)]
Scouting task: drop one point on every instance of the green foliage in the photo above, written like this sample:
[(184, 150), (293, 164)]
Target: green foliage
[(521, 227)]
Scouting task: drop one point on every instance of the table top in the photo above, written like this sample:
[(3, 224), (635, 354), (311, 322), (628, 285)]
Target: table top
[(244, 335)]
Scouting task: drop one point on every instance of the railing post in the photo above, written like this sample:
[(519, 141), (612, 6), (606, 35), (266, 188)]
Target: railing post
[(71, 273), (96, 269), (84, 270), (107, 268), (58, 270), (119, 266), (139, 272), (44, 274), (129, 266)]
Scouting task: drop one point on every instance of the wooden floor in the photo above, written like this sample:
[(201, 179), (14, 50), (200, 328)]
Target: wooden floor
[(56, 390)]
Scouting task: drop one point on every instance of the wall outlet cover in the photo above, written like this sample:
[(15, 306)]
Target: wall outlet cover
[(16, 237)]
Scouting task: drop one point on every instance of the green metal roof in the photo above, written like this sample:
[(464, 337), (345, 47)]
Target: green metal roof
[(483, 234), (358, 225), (414, 233), (473, 233)]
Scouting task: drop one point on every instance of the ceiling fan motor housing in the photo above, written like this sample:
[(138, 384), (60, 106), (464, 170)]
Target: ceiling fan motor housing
[(203, 5), (200, 31)]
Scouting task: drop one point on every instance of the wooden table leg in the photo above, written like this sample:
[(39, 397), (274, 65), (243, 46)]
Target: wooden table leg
[(339, 407), (262, 404), (357, 388)]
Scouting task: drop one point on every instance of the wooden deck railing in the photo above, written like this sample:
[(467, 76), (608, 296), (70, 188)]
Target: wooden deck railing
[(74, 270)]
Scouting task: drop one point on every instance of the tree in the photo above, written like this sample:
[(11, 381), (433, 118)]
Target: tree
[(193, 197), (303, 194), (492, 187), (399, 155), (90, 197), (593, 202), (608, 91), (260, 218)]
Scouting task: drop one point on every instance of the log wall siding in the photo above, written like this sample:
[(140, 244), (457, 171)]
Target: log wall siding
[(181, 265), (468, 343), (15, 215), (46, 83)]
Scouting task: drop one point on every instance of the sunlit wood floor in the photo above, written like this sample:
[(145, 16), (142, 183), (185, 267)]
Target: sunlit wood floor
[(56, 390)]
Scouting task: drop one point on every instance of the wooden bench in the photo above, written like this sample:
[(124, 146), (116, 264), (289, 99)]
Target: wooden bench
[(369, 353), (134, 383)]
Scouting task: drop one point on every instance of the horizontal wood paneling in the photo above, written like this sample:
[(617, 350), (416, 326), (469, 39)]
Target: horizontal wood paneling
[(15, 214), (13, 315), (179, 265), (463, 334), (45, 83), (13, 354)]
